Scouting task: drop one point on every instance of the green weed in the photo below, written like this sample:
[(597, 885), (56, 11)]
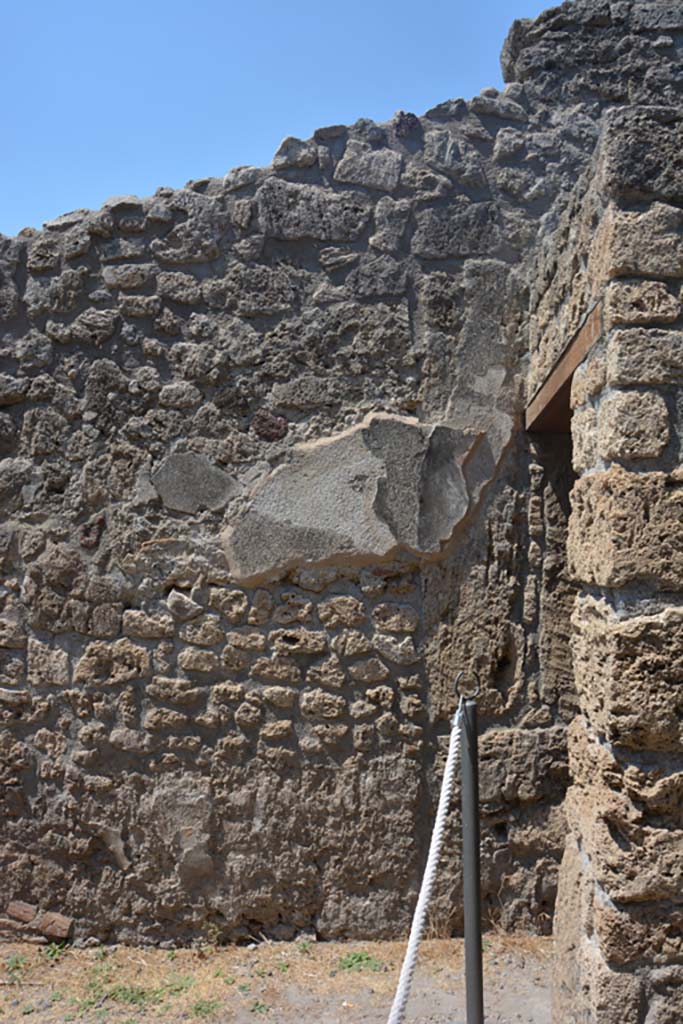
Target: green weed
[(53, 950), (205, 1007), (360, 961), (15, 966), (178, 983)]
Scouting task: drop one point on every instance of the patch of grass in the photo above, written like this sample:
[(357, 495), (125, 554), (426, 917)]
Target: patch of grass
[(205, 1007), (15, 966), (135, 995), (227, 978), (244, 988), (360, 961), (304, 946), (178, 983), (52, 951), (258, 1007)]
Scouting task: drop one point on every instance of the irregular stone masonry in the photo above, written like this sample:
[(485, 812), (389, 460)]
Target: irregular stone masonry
[(265, 490), (618, 922)]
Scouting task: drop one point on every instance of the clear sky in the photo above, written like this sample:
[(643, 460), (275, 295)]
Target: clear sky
[(111, 97)]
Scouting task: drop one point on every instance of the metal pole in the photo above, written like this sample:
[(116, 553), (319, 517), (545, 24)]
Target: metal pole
[(471, 870)]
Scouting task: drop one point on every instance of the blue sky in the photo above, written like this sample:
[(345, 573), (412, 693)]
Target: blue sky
[(110, 98)]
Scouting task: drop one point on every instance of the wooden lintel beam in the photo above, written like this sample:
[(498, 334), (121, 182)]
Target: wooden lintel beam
[(549, 410)]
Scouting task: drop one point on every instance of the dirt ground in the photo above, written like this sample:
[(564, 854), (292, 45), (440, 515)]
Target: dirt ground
[(284, 983)]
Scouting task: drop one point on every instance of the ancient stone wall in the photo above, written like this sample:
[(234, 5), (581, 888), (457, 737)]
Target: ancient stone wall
[(266, 489)]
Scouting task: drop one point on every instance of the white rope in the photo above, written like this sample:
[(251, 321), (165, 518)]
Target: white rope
[(405, 981)]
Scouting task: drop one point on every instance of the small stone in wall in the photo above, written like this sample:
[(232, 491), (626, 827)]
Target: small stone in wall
[(149, 627), (293, 608), (206, 632), (112, 664), (268, 426), (361, 165), (182, 606), (350, 643), (395, 618), (261, 608), (179, 287), (387, 725), (106, 620), (246, 639), (361, 709), (363, 737), (187, 482), (297, 641), (382, 695), (331, 733), (401, 651), (197, 659), (279, 696), (158, 719), (274, 731), (279, 669), (248, 715), (320, 704), (371, 671), (234, 658), (315, 580), (294, 152), (411, 706), (174, 690), (327, 673), (179, 395), (341, 611), (232, 604), (130, 740), (47, 666), (227, 693)]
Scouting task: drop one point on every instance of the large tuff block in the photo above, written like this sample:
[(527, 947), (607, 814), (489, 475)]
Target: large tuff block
[(640, 356), (648, 244), (641, 153), (626, 528), (633, 846), (640, 302), (655, 17), (633, 425), (586, 988), (629, 673)]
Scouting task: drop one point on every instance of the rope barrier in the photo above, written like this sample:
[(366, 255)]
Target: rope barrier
[(398, 1008)]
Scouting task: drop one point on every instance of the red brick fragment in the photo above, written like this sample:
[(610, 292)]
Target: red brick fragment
[(21, 911), (8, 927), (54, 925)]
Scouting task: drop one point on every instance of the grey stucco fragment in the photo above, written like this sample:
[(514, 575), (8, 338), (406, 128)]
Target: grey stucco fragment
[(187, 482), (386, 484)]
